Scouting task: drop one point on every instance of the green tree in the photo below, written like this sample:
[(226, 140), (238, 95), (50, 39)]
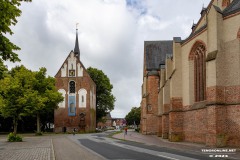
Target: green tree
[(44, 97), (25, 93), (134, 116), (8, 17), (104, 97), (14, 90)]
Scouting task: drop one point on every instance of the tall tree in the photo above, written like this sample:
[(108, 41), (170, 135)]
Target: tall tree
[(134, 116), (9, 11), (14, 90), (44, 97), (27, 93), (104, 97)]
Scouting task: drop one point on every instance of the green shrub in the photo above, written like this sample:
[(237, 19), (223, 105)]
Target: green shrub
[(38, 134), (12, 138)]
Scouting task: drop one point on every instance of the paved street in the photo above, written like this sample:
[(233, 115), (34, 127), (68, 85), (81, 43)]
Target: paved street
[(118, 149), (98, 146)]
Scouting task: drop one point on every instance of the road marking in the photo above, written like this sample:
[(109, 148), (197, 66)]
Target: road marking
[(151, 152)]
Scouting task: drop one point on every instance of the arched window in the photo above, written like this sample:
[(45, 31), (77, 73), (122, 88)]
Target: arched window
[(197, 54), (71, 87), (82, 98)]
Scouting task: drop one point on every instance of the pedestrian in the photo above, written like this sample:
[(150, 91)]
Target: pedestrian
[(74, 130), (125, 130)]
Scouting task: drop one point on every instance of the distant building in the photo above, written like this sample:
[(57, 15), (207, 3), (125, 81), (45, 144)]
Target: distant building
[(107, 121), (111, 122), (78, 110), (191, 87)]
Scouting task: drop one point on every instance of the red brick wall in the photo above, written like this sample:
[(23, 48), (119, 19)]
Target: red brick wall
[(143, 115), (152, 91), (61, 118), (176, 104), (151, 124), (176, 126), (159, 126), (149, 118), (195, 125), (223, 94), (165, 126), (233, 125), (215, 94)]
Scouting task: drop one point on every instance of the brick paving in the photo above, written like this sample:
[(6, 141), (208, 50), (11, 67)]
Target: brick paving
[(154, 140), (32, 148)]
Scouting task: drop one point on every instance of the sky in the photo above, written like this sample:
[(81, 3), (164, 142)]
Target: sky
[(111, 36)]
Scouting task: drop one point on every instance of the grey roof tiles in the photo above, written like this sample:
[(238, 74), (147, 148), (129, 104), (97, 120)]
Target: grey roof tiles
[(232, 8), (155, 53)]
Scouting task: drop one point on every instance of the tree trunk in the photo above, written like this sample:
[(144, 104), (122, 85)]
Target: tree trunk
[(15, 123), (38, 123)]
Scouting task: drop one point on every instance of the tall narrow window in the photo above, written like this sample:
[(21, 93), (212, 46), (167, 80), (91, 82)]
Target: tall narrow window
[(71, 87), (82, 98), (198, 55)]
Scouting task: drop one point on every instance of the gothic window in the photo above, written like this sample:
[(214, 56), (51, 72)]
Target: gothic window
[(71, 87), (198, 55)]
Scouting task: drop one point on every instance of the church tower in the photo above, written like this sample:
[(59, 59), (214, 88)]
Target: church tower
[(78, 109)]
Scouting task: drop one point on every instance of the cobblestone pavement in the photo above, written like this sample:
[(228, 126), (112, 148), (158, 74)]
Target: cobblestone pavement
[(32, 148)]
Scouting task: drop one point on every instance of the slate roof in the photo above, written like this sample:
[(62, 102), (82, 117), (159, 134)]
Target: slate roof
[(232, 8), (156, 53)]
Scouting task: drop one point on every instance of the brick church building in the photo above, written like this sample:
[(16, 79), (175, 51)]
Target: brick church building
[(78, 110), (191, 87)]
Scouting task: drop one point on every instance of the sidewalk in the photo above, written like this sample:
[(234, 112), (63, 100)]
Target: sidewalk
[(154, 140), (46, 147), (67, 147)]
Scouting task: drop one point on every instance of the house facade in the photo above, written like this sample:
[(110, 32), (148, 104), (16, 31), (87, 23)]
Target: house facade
[(191, 87), (78, 109)]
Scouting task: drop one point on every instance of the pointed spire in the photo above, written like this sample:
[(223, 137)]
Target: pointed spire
[(76, 48)]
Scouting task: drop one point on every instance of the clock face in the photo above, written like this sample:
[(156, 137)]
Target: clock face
[(71, 73)]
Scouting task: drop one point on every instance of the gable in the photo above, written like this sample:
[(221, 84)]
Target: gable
[(72, 67)]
